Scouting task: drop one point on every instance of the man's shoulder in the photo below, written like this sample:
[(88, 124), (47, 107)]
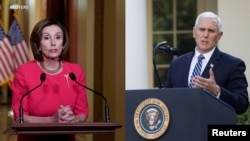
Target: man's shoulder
[(230, 57), (185, 56)]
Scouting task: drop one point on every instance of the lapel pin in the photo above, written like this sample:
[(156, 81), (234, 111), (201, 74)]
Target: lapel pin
[(211, 65)]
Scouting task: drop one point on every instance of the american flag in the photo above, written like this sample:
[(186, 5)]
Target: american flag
[(6, 59), (20, 49)]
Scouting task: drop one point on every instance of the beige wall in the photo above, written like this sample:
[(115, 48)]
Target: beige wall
[(114, 56), (114, 62), (236, 27)]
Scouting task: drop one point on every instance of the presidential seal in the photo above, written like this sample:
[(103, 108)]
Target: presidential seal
[(151, 118)]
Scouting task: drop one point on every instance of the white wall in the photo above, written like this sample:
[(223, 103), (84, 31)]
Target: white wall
[(236, 26), (136, 45)]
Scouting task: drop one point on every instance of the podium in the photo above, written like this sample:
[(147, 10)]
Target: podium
[(190, 111), (61, 129)]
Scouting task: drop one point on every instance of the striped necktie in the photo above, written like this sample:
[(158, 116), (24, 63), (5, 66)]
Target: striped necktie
[(197, 69)]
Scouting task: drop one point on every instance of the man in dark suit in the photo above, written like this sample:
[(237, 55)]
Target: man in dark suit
[(221, 74)]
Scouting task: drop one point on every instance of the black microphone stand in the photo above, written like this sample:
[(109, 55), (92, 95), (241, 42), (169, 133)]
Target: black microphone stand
[(107, 115), (21, 118), (154, 62), (42, 79), (167, 49)]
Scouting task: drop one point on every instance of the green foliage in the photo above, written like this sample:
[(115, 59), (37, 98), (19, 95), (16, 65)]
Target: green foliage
[(244, 119)]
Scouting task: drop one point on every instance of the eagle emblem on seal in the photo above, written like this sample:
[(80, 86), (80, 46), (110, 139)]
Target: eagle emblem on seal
[(152, 117)]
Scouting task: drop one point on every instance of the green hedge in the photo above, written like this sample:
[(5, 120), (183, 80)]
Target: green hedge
[(244, 119)]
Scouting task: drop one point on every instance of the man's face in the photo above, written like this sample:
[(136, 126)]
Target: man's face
[(206, 34)]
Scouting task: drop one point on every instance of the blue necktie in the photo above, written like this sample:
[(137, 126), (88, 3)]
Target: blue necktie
[(197, 69)]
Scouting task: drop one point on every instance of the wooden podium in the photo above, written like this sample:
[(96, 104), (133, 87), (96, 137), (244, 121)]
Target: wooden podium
[(59, 131), (62, 128)]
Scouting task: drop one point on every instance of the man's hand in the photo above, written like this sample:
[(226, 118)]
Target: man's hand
[(207, 83)]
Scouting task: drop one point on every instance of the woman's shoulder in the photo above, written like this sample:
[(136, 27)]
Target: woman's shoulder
[(28, 65), (27, 70), (72, 66)]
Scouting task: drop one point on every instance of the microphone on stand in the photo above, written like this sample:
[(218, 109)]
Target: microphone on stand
[(42, 79), (73, 77), (167, 48), (164, 47)]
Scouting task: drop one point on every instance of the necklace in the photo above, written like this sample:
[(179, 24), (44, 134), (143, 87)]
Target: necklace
[(48, 70)]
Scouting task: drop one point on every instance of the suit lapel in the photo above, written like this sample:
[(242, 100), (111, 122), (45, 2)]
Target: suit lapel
[(213, 62), (186, 67)]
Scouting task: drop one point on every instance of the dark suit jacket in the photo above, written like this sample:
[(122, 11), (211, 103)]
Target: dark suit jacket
[(228, 72)]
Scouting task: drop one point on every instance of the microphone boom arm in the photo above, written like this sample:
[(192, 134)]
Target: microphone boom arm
[(156, 70), (104, 98), (73, 77), (154, 62), (165, 47), (21, 118), (42, 79)]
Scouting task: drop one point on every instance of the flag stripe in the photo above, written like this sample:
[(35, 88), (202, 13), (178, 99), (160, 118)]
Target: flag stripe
[(6, 58), (21, 53), (20, 48), (6, 66), (13, 52), (7, 52)]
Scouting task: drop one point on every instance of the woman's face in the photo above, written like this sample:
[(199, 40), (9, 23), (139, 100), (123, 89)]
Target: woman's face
[(51, 43)]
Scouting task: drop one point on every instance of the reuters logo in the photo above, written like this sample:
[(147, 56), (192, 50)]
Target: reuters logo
[(151, 118), (17, 6)]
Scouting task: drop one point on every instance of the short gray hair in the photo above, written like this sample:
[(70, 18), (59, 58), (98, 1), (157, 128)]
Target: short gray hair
[(209, 15)]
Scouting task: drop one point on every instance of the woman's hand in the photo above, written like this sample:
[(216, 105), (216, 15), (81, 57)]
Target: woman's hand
[(64, 115)]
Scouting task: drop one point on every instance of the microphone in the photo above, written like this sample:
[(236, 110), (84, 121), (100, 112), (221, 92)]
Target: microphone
[(165, 47), (73, 77), (42, 79)]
